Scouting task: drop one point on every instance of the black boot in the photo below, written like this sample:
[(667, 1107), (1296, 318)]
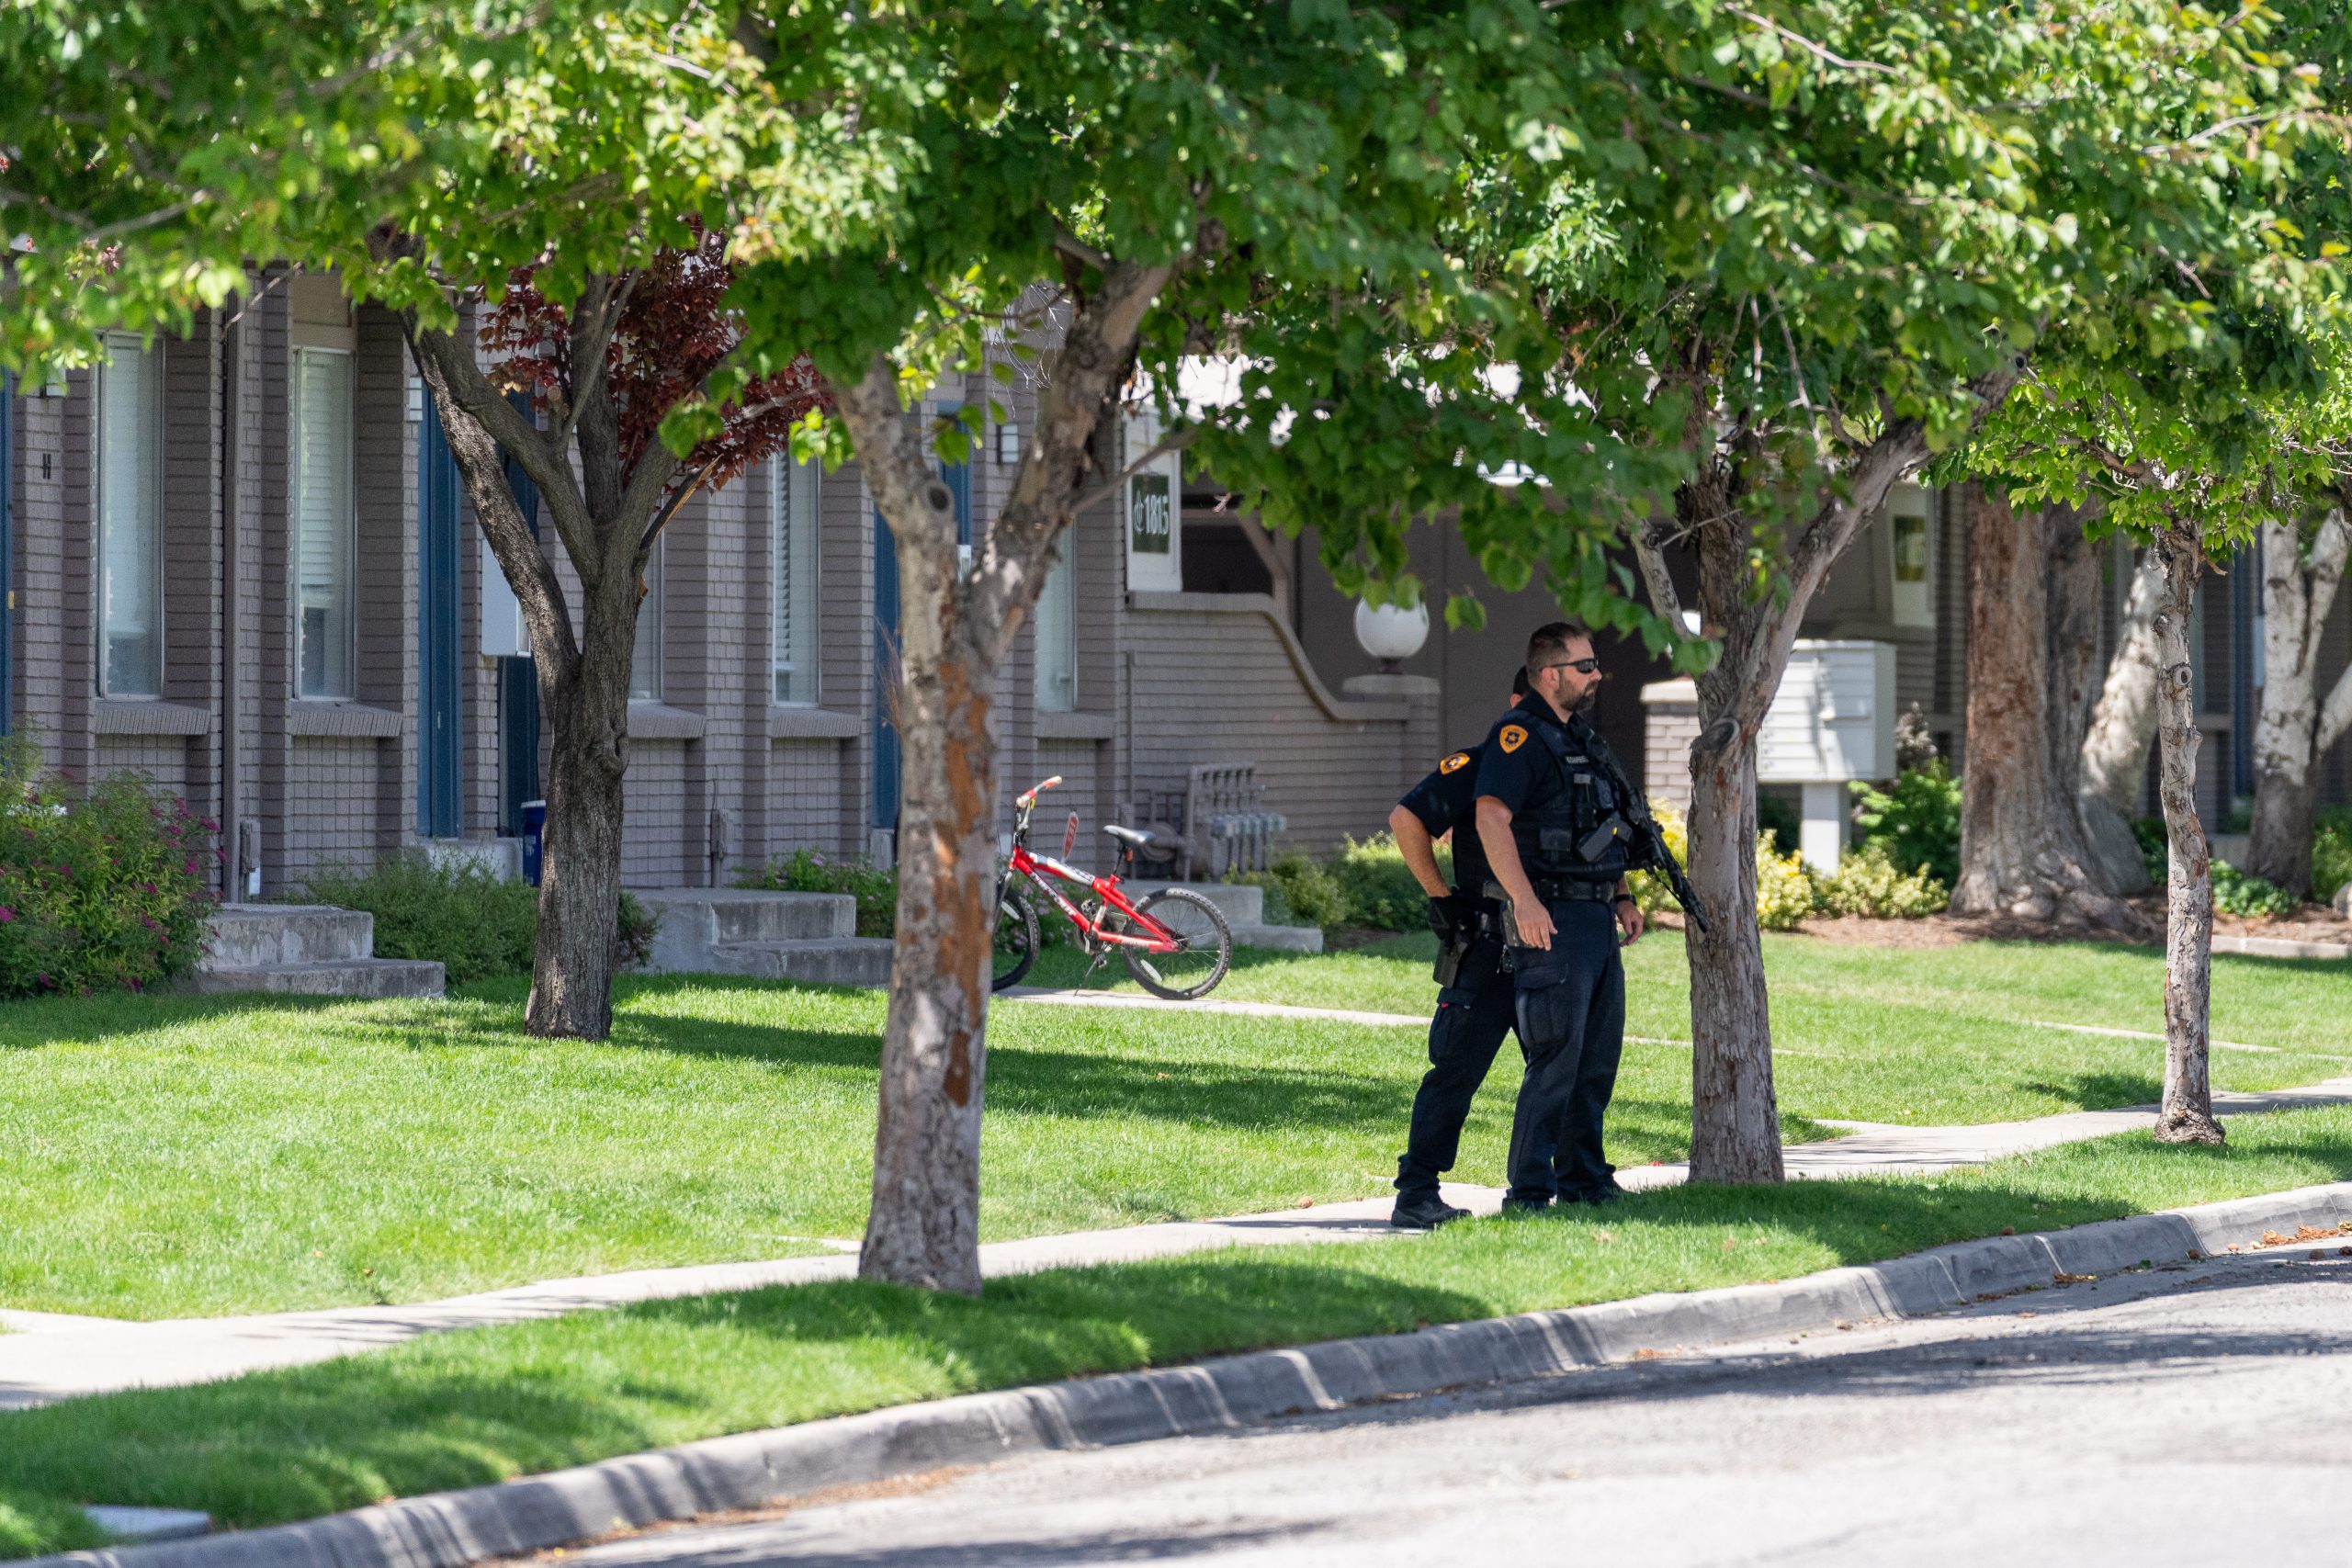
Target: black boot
[(1424, 1212)]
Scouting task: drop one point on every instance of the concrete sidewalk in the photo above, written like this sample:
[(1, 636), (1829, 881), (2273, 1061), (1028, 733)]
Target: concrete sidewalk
[(44, 1357)]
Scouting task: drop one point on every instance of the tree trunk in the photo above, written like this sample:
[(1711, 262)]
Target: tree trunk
[(2075, 681), (924, 1227), (2021, 847), (2114, 753), (2297, 595), (579, 876), (935, 1046), (1735, 1114), (2186, 1113)]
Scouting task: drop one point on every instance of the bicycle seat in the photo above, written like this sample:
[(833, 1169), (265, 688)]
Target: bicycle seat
[(1130, 837)]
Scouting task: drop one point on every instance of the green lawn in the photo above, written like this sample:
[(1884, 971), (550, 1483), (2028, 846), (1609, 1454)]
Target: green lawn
[(176, 1157), (170, 1157), (467, 1409), (1920, 1036)]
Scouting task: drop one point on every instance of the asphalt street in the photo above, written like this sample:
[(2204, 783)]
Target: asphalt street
[(2196, 1415)]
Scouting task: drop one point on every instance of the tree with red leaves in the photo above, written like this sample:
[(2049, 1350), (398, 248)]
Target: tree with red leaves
[(653, 337)]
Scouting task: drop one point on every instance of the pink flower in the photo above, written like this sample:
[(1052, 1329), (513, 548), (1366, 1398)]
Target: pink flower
[(7, 914), (189, 869)]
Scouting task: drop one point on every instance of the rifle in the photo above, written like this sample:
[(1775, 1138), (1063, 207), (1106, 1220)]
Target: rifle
[(1649, 840)]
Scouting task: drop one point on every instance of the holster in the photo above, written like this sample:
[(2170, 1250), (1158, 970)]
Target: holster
[(1489, 932)]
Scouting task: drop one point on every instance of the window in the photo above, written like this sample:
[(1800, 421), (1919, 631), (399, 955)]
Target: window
[(325, 517), (1911, 547), (1058, 633), (792, 512), (130, 520), (645, 661)]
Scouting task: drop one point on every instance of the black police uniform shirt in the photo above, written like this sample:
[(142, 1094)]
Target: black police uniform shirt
[(1517, 767), (1448, 801)]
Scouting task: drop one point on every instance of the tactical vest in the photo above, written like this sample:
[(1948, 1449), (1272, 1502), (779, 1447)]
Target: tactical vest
[(1574, 828)]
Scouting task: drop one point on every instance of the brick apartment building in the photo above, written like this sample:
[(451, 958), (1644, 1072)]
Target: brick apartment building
[(239, 562)]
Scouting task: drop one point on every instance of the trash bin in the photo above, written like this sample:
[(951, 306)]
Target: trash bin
[(535, 826)]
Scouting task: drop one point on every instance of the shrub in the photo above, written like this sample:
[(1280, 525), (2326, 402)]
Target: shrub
[(808, 871), (101, 892), (1380, 889), (1783, 887), (1649, 890), (1308, 894), (2236, 893), (1776, 816), (1867, 882), (2332, 853), (477, 925), (1916, 822), (2155, 851)]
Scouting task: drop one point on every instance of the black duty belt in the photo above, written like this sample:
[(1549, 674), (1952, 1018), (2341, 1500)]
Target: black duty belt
[(1563, 890)]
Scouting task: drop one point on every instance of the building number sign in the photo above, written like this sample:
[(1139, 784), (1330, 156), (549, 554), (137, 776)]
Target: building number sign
[(1148, 514)]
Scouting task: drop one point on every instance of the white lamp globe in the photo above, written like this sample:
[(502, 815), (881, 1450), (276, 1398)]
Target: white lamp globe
[(1390, 633)]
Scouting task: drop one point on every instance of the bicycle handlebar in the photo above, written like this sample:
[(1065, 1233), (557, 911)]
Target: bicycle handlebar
[(1028, 797)]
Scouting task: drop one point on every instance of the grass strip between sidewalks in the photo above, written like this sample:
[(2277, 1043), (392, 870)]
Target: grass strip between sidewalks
[(476, 1407)]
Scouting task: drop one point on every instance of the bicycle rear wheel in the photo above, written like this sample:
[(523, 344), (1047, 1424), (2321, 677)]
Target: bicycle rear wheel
[(1016, 940), (1204, 950)]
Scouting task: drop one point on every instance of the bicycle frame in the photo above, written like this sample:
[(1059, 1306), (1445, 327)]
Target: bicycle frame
[(1037, 868)]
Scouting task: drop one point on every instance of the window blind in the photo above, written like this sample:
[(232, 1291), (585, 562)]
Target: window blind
[(1058, 633), (325, 517), (131, 531), (792, 499), (645, 656)]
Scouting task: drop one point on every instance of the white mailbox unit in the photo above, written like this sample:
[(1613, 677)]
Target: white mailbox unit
[(1831, 722)]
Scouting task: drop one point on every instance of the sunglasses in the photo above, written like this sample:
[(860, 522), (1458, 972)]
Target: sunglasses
[(1581, 666)]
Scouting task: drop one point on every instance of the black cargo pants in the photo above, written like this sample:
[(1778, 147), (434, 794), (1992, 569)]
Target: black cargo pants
[(1471, 1021), (1571, 1019)]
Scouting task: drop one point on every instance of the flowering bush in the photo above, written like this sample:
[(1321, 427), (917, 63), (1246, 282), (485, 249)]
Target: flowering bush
[(1867, 882), (1783, 887), (101, 891)]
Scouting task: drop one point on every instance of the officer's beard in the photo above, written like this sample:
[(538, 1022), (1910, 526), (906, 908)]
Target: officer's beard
[(1590, 700)]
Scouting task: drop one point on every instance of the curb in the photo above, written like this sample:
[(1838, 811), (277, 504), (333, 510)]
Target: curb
[(452, 1528)]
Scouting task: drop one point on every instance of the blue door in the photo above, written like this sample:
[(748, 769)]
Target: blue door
[(438, 809), (886, 671), (518, 683), (7, 551)]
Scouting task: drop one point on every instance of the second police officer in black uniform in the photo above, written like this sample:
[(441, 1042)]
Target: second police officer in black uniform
[(1475, 1004), (1557, 836)]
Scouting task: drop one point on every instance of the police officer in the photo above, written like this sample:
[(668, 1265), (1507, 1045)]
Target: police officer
[(1475, 1006), (1555, 832)]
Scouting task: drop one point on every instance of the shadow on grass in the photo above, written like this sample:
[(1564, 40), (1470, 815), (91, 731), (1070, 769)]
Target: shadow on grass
[(2101, 1092), (1062, 968), (471, 1408), (1868, 1218)]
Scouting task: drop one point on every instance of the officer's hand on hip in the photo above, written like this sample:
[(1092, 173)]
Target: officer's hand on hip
[(1534, 922), (1629, 915)]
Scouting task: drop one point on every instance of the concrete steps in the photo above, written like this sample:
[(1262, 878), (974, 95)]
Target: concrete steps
[(312, 950), (833, 960), (777, 936), (1244, 909)]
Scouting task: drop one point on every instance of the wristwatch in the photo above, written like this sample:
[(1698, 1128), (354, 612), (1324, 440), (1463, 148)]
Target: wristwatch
[(1625, 898)]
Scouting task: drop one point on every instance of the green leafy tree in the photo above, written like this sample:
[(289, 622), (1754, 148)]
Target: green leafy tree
[(560, 176), (1264, 185), (1810, 247)]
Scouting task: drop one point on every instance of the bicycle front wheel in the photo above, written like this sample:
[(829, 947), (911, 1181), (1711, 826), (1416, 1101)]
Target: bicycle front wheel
[(1204, 949), (1016, 940)]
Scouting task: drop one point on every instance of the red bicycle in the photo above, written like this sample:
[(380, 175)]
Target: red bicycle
[(1173, 942)]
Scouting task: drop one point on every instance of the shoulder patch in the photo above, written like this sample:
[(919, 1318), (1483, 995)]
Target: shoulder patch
[(1512, 737), (1454, 764)]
